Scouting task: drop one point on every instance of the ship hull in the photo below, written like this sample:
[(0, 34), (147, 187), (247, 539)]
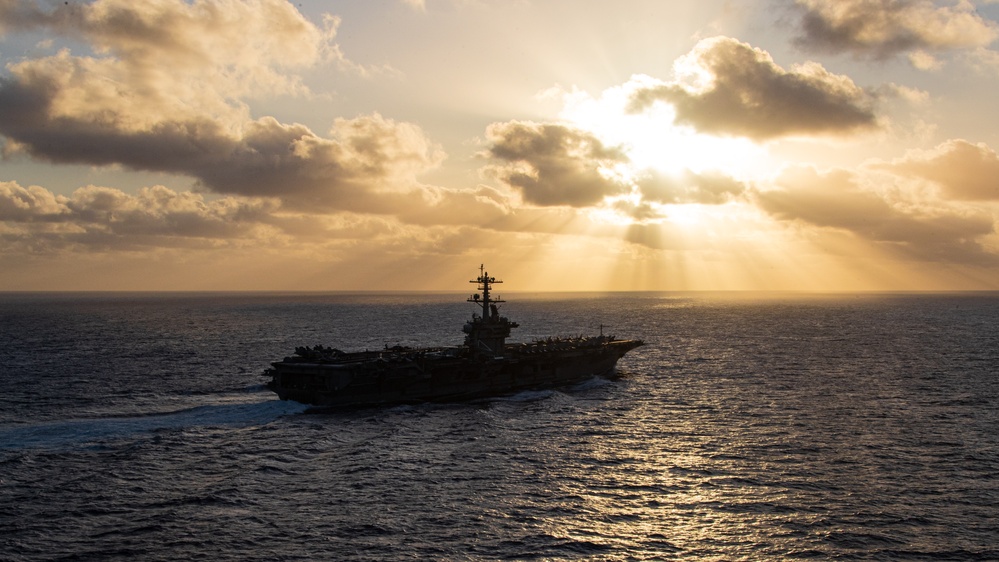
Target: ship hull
[(418, 376)]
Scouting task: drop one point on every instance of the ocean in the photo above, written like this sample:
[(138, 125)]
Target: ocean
[(762, 427)]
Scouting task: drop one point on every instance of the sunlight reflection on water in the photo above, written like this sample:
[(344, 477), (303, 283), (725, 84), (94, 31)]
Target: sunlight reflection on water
[(774, 428)]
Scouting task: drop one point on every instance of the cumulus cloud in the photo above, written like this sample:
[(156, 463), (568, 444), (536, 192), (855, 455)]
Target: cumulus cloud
[(188, 49), (34, 203), (95, 218), (166, 95), (364, 158), (962, 170), (552, 164), (836, 199), (881, 29), (104, 217), (727, 87), (264, 158)]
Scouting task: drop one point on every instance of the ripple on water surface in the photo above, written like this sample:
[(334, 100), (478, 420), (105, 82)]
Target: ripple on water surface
[(855, 427)]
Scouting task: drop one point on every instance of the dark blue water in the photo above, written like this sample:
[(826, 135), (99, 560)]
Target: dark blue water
[(772, 427)]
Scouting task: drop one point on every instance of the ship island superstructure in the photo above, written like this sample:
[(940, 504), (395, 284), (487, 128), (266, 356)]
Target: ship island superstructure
[(486, 365)]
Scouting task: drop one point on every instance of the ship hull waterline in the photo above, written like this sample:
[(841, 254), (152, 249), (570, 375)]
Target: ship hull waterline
[(413, 377)]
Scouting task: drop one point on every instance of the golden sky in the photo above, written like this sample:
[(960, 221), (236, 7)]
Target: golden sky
[(811, 145)]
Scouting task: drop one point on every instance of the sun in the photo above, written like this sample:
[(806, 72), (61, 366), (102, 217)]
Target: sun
[(652, 139), (653, 142)]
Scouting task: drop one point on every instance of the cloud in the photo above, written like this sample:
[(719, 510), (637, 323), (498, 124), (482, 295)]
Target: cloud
[(836, 199), (165, 92), (105, 218), (963, 170), (880, 30), (101, 227), (95, 218), (264, 158), (166, 95), (364, 163), (33, 203), (239, 44), (727, 87), (482, 206), (689, 187), (553, 164), (21, 15)]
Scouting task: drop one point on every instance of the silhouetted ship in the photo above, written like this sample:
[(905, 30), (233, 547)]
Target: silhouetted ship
[(484, 366)]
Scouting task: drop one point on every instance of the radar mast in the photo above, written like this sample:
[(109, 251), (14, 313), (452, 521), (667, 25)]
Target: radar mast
[(489, 310), (486, 334)]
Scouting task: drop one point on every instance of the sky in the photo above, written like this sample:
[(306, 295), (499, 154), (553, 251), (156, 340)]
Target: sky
[(580, 145)]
